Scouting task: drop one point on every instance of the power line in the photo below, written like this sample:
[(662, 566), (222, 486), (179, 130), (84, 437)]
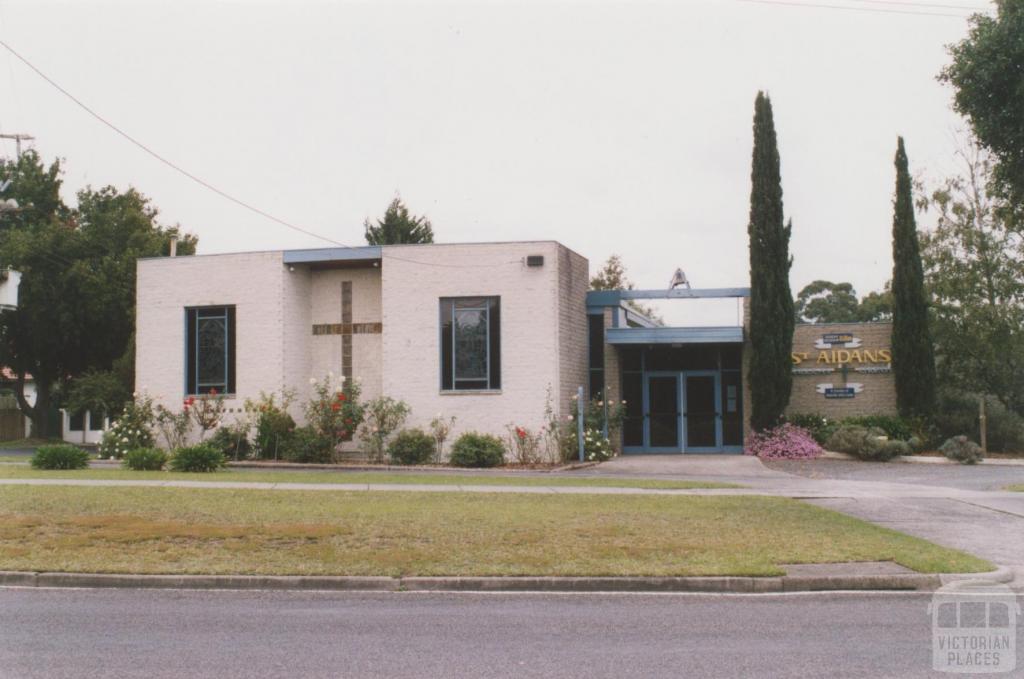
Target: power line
[(973, 8), (161, 158), (211, 187), (874, 10)]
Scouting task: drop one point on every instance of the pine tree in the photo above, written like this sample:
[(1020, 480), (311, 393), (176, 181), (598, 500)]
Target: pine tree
[(913, 355), (398, 227), (771, 302)]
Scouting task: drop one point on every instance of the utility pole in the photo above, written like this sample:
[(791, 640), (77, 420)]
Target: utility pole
[(18, 138)]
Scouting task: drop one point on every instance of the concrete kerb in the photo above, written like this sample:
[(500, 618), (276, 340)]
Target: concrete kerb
[(927, 459), (724, 584)]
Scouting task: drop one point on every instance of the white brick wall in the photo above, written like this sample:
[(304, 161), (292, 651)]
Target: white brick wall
[(255, 284), (529, 330), (366, 308), (543, 326)]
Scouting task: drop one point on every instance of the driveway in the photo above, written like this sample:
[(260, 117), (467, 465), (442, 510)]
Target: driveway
[(959, 506)]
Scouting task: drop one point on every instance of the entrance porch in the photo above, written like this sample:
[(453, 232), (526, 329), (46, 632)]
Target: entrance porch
[(682, 386)]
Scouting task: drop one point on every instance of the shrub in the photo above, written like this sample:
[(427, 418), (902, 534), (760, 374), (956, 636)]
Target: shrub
[(894, 426), (958, 413), (784, 442), (233, 441), (412, 446), (131, 430), (334, 411), (477, 450), (174, 427), (961, 449), (818, 426), (60, 456), (206, 410), (382, 417), (596, 448), (274, 426), (201, 458), (440, 428), (524, 444), (145, 460), (308, 445), (866, 443)]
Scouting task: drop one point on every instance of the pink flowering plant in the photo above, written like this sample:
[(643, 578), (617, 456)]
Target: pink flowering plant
[(784, 442)]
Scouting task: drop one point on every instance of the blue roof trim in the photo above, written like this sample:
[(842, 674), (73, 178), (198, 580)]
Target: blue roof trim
[(320, 255), (615, 297), (661, 335), (638, 318)]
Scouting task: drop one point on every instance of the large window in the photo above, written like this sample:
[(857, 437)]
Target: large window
[(470, 343), (210, 350)]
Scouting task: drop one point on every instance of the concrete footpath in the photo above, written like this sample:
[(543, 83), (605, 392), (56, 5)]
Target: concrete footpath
[(786, 486)]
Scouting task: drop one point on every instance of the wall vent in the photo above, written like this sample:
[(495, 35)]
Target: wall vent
[(535, 260)]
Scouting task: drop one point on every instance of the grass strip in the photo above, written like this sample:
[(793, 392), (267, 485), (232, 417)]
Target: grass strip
[(211, 531)]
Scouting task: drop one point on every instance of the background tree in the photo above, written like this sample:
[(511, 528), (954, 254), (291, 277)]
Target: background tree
[(398, 226), (877, 306), (77, 295), (771, 301), (987, 73), (913, 357), (974, 268), (828, 302), (612, 276)]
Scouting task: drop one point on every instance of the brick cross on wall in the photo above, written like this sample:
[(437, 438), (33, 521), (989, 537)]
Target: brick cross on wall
[(346, 329)]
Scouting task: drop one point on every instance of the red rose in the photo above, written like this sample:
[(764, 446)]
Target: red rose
[(341, 397), (348, 420), (335, 407), (213, 391)]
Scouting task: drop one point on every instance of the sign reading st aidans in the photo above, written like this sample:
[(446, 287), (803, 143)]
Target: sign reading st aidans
[(839, 352)]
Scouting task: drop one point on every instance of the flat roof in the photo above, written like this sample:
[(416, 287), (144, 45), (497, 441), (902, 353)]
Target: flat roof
[(363, 253), (664, 335), (596, 298)]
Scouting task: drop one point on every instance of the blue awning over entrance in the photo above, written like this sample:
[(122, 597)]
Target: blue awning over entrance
[(663, 335)]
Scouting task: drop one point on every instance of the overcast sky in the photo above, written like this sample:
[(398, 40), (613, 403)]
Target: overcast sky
[(611, 127)]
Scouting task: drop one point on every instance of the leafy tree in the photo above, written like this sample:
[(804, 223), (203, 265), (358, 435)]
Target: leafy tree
[(771, 303), (612, 276), (974, 267), (77, 295), (827, 302), (398, 227), (876, 306), (987, 73), (913, 357)]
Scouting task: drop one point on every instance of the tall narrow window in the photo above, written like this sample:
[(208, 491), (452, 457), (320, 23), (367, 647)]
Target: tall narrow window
[(210, 349), (470, 343)]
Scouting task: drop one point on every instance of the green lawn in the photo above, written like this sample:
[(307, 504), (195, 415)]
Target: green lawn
[(1018, 488), (179, 530), (10, 471)]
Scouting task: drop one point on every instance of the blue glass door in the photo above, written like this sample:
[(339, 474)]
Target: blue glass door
[(663, 412), (701, 412)]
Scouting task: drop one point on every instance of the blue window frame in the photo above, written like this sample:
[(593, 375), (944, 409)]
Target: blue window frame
[(210, 350), (470, 343)]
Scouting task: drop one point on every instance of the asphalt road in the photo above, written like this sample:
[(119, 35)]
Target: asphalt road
[(153, 634)]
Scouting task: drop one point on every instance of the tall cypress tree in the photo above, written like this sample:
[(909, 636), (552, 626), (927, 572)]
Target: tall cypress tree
[(771, 302), (913, 355)]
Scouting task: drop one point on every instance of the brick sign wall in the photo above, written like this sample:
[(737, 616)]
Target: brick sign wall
[(843, 369)]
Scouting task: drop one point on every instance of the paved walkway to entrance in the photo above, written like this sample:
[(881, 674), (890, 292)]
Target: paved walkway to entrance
[(703, 466)]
